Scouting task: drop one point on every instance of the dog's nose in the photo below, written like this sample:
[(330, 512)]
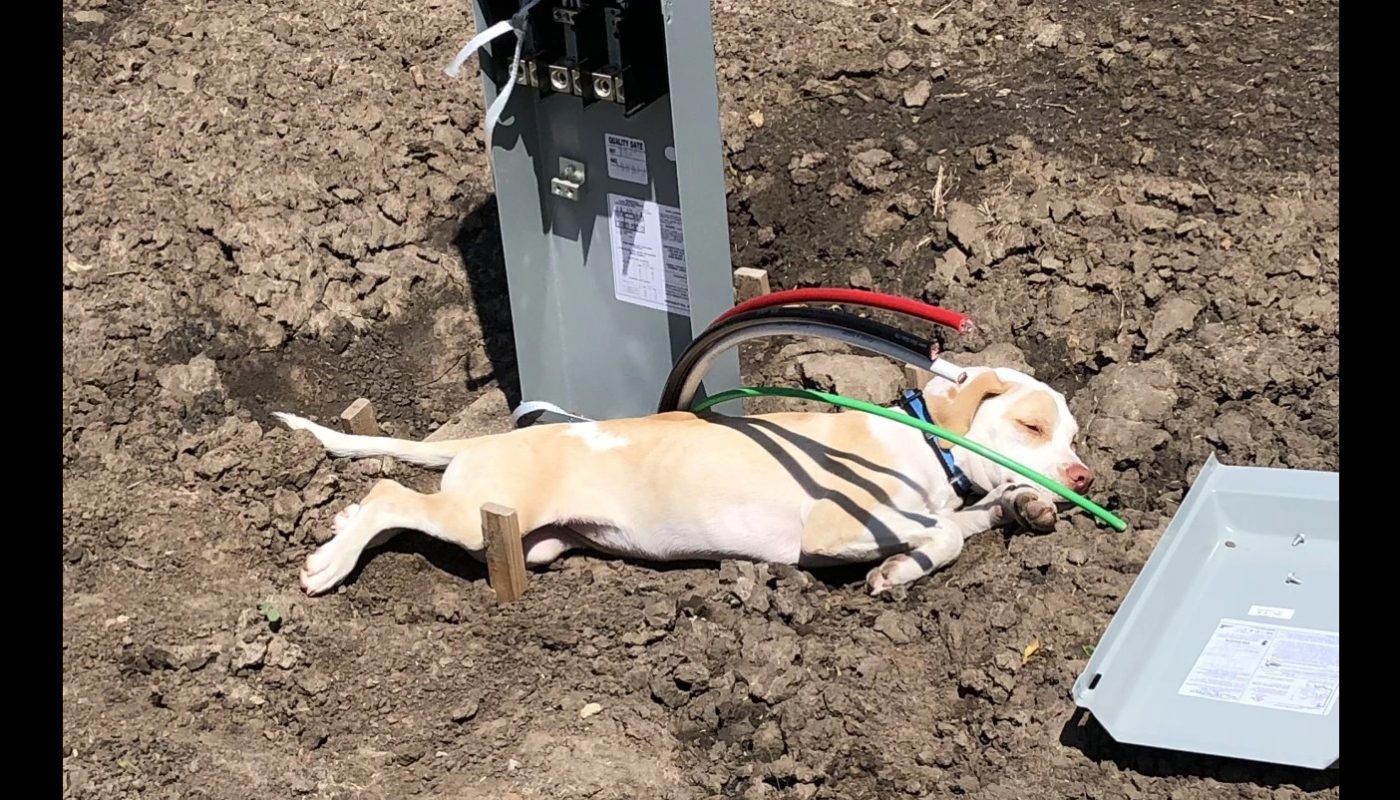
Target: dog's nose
[(1079, 477)]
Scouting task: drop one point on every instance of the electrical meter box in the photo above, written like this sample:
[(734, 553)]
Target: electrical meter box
[(610, 186)]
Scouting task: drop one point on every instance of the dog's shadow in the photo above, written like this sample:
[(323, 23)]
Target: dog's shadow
[(460, 564), (1084, 733), (444, 556)]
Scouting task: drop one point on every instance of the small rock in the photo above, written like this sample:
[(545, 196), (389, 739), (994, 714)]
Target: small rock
[(870, 171), (158, 657), (880, 221), (248, 655), (313, 681), (1005, 617), (926, 25), (1048, 34), (1176, 314), (897, 627), (1007, 662), (965, 225), (186, 382), (898, 60), (592, 709), (257, 515), (917, 96), (861, 278), (282, 653), (660, 613), (90, 17), (642, 637), (216, 462), (909, 205), (1077, 556), (312, 738), (903, 255), (466, 711), (1145, 219), (691, 675), (286, 509), (948, 266)]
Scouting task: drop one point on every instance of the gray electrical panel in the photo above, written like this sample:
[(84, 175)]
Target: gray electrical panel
[(610, 186)]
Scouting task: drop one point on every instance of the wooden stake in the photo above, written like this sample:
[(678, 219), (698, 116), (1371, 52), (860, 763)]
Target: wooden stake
[(359, 418), (750, 282), (505, 552)]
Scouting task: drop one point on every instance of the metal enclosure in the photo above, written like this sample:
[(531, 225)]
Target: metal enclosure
[(1227, 644), (613, 213)]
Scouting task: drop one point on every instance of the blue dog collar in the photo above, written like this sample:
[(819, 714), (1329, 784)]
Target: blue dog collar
[(912, 401)]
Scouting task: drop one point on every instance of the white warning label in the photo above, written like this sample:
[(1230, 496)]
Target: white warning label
[(627, 158), (1271, 666), (648, 254)]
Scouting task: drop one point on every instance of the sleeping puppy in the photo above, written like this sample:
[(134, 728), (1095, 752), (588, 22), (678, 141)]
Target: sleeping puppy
[(795, 488)]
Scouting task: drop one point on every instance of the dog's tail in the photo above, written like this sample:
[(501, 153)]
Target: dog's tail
[(428, 454)]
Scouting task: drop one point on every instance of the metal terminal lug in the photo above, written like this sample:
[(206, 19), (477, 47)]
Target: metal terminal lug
[(569, 183), (607, 85), (603, 86), (559, 79)]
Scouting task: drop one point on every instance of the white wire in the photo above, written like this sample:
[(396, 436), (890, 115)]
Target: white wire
[(516, 25)]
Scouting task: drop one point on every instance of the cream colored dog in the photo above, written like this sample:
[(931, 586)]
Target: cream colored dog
[(794, 488)]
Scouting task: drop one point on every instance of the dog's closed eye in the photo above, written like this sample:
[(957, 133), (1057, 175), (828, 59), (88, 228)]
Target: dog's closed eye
[(1034, 428)]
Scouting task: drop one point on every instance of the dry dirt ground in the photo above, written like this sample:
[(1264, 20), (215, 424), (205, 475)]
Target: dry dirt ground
[(278, 206)]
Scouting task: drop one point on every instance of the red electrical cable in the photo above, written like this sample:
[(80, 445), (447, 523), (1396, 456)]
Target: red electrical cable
[(889, 302)]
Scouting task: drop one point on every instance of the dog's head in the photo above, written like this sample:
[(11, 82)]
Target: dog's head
[(1015, 415)]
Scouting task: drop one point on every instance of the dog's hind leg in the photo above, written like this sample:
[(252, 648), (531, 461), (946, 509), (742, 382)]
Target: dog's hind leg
[(388, 508), (548, 543)]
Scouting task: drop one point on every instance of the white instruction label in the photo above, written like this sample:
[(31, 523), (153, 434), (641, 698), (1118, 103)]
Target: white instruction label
[(1273, 612), (1270, 666), (648, 254), (627, 158)]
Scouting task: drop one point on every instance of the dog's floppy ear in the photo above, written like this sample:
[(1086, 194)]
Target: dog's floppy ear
[(956, 412)]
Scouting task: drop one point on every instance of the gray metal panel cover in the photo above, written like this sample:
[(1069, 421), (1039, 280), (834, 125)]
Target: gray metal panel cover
[(1249, 544)]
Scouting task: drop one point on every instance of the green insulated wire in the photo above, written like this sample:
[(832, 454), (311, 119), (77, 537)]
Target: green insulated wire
[(879, 411)]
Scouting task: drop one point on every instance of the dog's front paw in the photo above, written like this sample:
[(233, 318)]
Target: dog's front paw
[(886, 576), (1030, 511)]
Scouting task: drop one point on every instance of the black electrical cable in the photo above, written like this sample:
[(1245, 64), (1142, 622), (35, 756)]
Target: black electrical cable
[(684, 381)]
